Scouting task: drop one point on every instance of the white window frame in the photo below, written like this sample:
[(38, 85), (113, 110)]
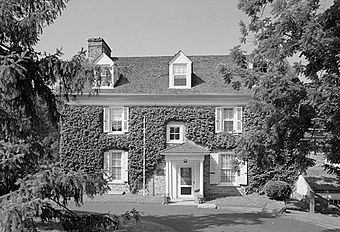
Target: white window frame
[(180, 59), (104, 61), (123, 166), (237, 120), (104, 69), (240, 178), (107, 119), (184, 75), (181, 133), (232, 175)]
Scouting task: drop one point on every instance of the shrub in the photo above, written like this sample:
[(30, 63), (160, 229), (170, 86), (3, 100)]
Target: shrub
[(278, 190)]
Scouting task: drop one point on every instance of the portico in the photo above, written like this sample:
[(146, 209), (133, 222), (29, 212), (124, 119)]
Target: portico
[(184, 170)]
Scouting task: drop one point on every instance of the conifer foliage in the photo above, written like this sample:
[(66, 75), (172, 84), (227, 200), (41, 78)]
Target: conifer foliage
[(32, 184)]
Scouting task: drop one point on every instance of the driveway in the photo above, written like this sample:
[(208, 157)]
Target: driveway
[(191, 218)]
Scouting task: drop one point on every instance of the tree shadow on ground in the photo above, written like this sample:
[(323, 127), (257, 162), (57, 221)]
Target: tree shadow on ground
[(197, 223), (331, 230)]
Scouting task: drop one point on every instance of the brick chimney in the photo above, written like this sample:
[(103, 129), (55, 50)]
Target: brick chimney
[(97, 46)]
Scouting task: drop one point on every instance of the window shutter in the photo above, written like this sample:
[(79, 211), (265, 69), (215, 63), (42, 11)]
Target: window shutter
[(243, 180), (218, 119), (106, 164), (214, 168), (106, 120), (125, 165), (125, 119), (238, 120)]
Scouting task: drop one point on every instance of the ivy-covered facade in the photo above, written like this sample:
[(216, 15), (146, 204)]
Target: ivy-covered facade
[(188, 118)]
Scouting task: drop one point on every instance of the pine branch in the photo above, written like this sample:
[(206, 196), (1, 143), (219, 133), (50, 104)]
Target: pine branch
[(67, 209)]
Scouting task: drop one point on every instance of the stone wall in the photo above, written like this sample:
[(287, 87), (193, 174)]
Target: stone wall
[(156, 184)]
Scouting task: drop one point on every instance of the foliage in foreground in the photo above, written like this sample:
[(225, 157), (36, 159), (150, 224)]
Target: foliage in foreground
[(286, 115), (87, 222), (308, 29), (32, 184)]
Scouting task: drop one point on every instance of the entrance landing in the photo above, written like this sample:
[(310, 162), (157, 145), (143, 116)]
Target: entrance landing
[(178, 201)]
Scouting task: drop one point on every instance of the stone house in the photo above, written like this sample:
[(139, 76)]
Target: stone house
[(190, 115)]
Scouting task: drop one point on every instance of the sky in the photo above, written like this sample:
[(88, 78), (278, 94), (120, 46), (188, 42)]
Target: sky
[(147, 27)]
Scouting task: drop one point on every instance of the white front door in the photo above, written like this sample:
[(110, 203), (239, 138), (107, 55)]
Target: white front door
[(185, 182)]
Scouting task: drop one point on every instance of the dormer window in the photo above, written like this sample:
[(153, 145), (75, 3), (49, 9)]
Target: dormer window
[(180, 69), (105, 72), (180, 75), (105, 77)]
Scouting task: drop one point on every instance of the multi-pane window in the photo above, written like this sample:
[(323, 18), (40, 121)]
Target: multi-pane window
[(180, 74), (116, 166), (104, 76), (228, 119), (226, 174), (175, 133), (116, 119)]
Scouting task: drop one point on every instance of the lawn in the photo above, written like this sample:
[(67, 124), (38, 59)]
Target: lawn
[(253, 201), (249, 201)]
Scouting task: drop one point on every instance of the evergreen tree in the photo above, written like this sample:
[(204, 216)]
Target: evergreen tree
[(30, 179)]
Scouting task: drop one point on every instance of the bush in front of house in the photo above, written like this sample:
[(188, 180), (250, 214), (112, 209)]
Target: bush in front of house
[(278, 190)]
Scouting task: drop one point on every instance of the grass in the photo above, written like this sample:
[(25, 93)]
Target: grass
[(126, 198), (253, 201)]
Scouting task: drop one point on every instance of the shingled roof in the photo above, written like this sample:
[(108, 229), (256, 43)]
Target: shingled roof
[(150, 75), (185, 148), (321, 181)]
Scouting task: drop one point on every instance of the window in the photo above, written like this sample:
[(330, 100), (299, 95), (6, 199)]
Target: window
[(228, 119), (175, 133), (221, 169), (180, 74), (116, 119), (226, 173), (180, 70), (105, 78), (115, 166)]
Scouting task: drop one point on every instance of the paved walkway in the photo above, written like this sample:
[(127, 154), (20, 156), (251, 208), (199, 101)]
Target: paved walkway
[(171, 218)]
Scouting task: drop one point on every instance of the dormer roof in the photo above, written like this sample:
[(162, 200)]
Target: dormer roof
[(103, 59), (178, 54)]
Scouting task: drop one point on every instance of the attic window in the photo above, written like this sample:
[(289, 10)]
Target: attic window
[(180, 74), (180, 70), (105, 78)]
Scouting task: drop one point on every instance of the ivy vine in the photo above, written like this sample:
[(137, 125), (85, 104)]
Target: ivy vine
[(83, 141)]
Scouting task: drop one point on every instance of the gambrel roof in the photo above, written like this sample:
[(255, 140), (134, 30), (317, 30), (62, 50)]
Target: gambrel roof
[(150, 75)]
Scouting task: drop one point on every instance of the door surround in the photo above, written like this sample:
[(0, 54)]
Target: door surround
[(184, 179)]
